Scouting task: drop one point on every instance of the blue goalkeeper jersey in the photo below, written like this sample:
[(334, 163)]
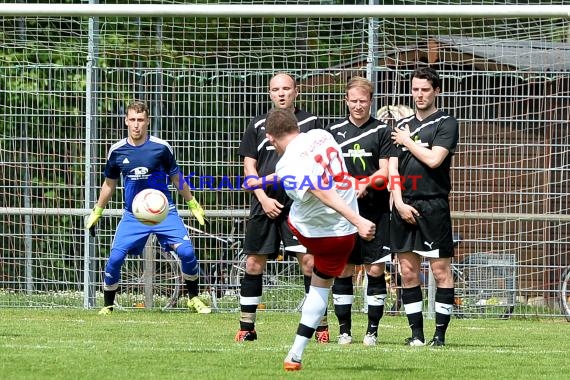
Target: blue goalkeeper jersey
[(149, 165)]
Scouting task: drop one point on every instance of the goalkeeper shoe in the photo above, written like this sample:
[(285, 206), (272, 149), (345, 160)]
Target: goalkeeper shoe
[(322, 336), (196, 304), (107, 310), (245, 335), (292, 363)]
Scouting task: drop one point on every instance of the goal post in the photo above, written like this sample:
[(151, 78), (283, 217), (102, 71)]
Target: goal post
[(67, 72), (287, 10)]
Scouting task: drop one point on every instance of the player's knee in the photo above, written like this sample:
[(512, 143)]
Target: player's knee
[(442, 274), (410, 280), (255, 264), (306, 262), (185, 252)]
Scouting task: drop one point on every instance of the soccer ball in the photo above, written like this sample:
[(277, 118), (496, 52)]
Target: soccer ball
[(150, 207)]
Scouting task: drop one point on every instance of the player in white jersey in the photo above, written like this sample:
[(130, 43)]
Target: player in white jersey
[(267, 223), (324, 214)]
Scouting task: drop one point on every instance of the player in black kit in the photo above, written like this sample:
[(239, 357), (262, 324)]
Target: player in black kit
[(421, 216), (366, 147), (267, 224)]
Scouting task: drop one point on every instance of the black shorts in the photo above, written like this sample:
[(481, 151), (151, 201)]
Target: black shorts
[(376, 250), (431, 236), (263, 236)]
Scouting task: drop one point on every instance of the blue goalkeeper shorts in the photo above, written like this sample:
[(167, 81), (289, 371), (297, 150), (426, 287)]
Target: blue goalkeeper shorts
[(131, 237)]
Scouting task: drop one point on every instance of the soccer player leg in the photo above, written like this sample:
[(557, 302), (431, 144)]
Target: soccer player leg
[(129, 238), (172, 233), (189, 265), (261, 238), (435, 227), (330, 254), (375, 298), (412, 296), (444, 298), (311, 315), (343, 298), (111, 278), (375, 254), (251, 290), (307, 263)]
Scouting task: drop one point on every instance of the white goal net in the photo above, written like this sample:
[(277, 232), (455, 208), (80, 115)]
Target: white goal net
[(67, 73)]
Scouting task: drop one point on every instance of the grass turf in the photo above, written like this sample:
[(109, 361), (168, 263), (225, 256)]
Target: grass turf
[(138, 344)]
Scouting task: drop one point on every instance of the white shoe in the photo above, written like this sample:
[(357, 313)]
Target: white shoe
[(344, 339), (370, 340), (414, 342)]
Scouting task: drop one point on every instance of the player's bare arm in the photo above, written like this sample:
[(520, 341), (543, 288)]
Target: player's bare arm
[(192, 203), (431, 157), (183, 189), (253, 181), (271, 207), (366, 229), (107, 191), (407, 212), (380, 176), (251, 175)]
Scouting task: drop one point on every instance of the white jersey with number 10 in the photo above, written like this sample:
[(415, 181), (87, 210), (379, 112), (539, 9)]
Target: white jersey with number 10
[(314, 160)]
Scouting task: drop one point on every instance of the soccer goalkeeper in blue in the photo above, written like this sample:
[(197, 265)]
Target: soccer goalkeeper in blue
[(145, 161)]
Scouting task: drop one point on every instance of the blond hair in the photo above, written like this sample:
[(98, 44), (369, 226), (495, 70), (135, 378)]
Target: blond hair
[(360, 82)]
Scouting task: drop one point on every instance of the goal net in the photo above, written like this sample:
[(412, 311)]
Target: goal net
[(66, 80)]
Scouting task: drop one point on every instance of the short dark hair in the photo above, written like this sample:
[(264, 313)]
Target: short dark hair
[(280, 122), (429, 73)]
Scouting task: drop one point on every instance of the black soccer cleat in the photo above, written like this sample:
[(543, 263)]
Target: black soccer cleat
[(436, 341)]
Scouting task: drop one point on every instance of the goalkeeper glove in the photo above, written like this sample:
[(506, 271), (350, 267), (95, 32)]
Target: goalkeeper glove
[(93, 218), (196, 210)]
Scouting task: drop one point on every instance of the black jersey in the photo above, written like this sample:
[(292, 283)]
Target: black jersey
[(255, 144), (362, 148), (420, 181)]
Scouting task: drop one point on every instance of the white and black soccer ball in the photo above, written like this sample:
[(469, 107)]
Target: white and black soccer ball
[(150, 207)]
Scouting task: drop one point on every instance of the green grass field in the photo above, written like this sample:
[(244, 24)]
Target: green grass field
[(79, 344)]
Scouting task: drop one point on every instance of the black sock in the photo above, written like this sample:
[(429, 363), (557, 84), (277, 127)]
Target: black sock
[(444, 298), (343, 287), (192, 288), (251, 286), (415, 318), (307, 283), (376, 287), (109, 298)]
